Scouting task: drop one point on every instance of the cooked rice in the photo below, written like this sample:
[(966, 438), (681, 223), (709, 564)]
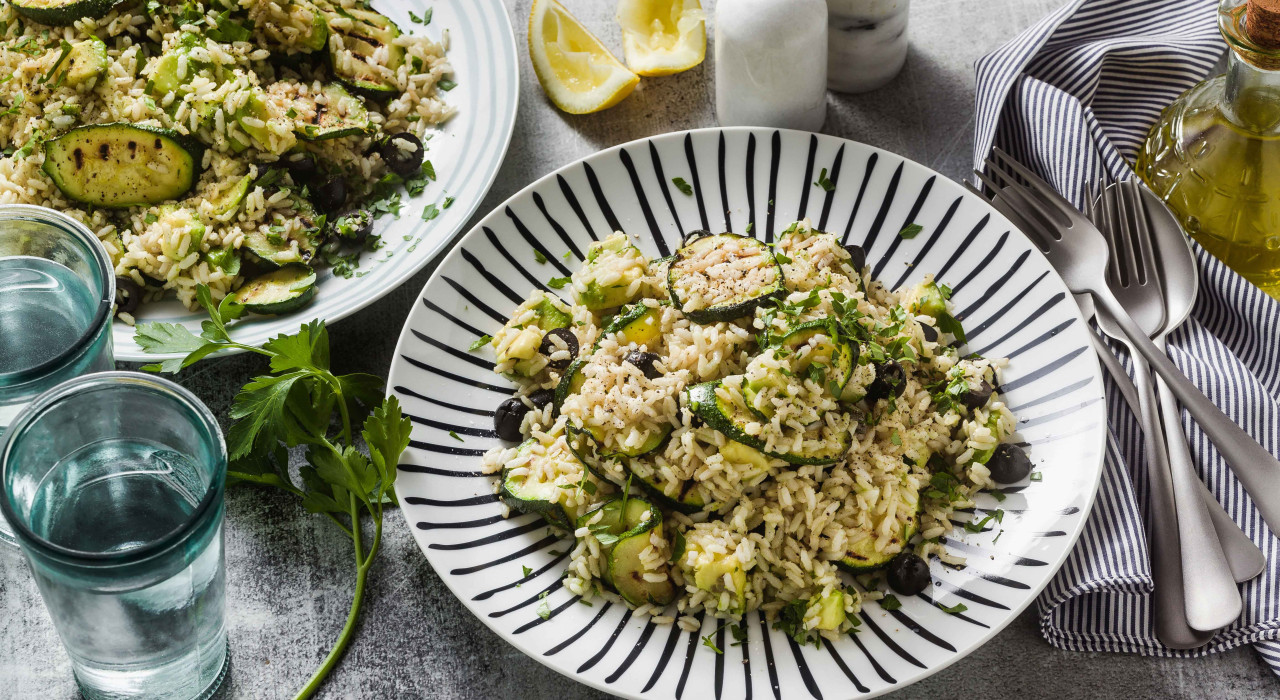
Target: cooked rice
[(771, 532), (219, 78)]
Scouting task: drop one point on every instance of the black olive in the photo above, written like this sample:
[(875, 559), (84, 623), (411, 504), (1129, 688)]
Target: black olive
[(857, 256), (548, 347), (330, 196), (891, 380), (930, 334), (542, 397), (508, 417), (355, 225), (977, 398), (1009, 464), (128, 295), (403, 153), (302, 166), (909, 574), (644, 361)]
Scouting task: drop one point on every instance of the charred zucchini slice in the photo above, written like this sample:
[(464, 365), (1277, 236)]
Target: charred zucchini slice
[(723, 277), (61, 12), (354, 51), (732, 420), (645, 474), (627, 570), (863, 556), (336, 114), (279, 291), (533, 496), (121, 165), (281, 243)]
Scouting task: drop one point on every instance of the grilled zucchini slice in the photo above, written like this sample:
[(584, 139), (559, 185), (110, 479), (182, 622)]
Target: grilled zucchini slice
[(122, 165), (62, 12), (279, 291), (731, 419), (354, 51), (339, 114), (608, 278), (723, 277)]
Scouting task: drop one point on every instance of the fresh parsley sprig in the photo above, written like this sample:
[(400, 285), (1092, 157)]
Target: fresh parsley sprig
[(293, 406)]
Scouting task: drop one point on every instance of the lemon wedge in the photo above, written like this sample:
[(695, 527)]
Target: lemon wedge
[(576, 71), (661, 37)]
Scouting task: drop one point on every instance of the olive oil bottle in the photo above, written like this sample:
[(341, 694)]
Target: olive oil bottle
[(1214, 155)]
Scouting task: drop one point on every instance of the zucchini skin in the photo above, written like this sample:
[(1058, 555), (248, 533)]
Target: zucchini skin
[(58, 13), (727, 311), (75, 163), (702, 400), (301, 288), (654, 490)]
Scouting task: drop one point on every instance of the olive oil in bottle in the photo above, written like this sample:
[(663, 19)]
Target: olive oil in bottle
[(1214, 155)]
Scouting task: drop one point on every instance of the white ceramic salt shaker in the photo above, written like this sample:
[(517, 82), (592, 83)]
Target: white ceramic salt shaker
[(867, 43), (771, 63)]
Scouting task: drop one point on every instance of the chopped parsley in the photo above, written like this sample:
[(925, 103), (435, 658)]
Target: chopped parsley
[(791, 623), (448, 202), (977, 526), (911, 231), (558, 282), (480, 342), (539, 257), (446, 85), (150, 218), (424, 20), (1037, 476), (823, 182), (544, 610), (890, 602), (781, 259), (998, 495), (677, 547), (526, 570), (681, 185), (955, 609), (431, 212), (750, 225), (707, 642), (455, 436)]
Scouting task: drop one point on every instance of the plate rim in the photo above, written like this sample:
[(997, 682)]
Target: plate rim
[(447, 241), (917, 674)]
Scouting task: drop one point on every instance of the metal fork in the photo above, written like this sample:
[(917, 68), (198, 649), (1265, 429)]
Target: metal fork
[(1208, 590), (1244, 557), (1169, 607), (1079, 253)]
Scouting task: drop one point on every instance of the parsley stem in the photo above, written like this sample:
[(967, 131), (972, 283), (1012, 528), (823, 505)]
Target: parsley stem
[(348, 629)]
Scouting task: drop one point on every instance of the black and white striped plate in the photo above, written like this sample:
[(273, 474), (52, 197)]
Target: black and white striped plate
[(466, 152), (758, 181)]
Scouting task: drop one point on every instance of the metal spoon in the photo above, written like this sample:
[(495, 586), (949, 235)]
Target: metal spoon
[(1181, 283)]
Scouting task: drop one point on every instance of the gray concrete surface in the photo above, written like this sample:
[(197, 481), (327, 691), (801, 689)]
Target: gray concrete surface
[(289, 572)]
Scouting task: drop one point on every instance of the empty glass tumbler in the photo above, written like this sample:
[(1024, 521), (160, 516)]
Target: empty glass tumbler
[(57, 289), (113, 485)]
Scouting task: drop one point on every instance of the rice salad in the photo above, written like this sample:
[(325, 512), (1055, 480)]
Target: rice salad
[(747, 426), (235, 144)]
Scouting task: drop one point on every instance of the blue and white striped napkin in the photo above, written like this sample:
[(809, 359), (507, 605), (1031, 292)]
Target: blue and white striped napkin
[(1073, 98)]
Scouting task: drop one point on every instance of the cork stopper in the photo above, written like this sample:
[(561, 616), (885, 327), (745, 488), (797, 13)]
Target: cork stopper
[(1262, 23)]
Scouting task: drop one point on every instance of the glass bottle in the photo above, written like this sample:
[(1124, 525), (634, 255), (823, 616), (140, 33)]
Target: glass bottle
[(771, 63), (1214, 155)]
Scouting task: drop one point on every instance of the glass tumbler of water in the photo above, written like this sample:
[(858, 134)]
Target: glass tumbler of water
[(113, 484), (57, 289)]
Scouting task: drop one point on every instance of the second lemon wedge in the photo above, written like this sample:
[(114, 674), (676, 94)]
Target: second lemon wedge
[(661, 37), (575, 69)]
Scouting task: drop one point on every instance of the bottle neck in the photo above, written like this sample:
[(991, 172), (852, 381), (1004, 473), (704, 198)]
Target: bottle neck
[(1252, 96)]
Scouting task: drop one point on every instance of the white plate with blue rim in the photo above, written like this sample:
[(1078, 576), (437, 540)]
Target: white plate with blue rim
[(466, 151), (507, 571)]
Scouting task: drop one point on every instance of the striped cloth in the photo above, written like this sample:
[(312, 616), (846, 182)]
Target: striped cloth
[(1073, 97)]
